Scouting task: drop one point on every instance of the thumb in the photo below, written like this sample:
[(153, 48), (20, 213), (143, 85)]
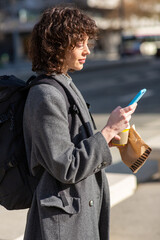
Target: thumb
[(130, 109)]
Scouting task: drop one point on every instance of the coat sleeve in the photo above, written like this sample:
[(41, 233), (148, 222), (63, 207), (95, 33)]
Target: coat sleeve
[(51, 143)]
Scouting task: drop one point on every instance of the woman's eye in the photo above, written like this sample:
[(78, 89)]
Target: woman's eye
[(80, 45)]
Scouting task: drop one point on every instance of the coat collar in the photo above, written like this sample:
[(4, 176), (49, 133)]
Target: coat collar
[(66, 81)]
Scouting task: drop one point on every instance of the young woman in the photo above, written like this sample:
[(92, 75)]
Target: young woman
[(71, 201)]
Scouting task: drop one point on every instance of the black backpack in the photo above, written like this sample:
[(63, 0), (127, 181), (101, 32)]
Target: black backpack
[(17, 185)]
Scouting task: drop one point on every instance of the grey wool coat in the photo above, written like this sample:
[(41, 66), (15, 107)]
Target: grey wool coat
[(71, 201)]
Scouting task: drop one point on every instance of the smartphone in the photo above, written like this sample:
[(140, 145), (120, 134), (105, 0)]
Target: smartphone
[(138, 96)]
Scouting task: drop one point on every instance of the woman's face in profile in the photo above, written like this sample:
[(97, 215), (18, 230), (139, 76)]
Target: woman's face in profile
[(76, 57)]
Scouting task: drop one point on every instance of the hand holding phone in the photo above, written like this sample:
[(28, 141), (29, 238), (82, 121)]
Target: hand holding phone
[(138, 96)]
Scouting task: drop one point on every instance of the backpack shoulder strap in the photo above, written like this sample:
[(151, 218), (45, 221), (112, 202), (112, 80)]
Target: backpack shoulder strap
[(44, 79)]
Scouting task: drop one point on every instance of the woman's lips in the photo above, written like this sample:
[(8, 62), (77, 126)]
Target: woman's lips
[(82, 61)]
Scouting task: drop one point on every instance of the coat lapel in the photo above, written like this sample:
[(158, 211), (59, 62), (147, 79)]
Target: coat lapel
[(76, 95)]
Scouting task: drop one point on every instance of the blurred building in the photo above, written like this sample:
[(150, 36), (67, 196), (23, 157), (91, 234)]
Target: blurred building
[(17, 18)]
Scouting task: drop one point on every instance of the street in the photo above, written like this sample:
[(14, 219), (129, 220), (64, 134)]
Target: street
[(107, 88)]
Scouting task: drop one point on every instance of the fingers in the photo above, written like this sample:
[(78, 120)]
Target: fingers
[(127, 112), (117, 108), (130, 109), (128, 118), (118, 121), (117, 137)]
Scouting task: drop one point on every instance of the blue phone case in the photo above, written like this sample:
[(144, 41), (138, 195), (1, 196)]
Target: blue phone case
[(138, 96)]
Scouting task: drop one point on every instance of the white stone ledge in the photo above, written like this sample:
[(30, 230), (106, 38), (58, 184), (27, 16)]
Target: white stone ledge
[(121, 186)]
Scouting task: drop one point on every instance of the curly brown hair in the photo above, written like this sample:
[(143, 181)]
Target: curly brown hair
[(58, 29)]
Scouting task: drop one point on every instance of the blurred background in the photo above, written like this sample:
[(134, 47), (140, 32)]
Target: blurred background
[(127, 27), (126, 55), (126, 59)]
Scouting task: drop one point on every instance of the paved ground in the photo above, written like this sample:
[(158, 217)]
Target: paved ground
[(138, 217)]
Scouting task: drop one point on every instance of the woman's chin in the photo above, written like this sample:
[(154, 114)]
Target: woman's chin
[(80, 67)]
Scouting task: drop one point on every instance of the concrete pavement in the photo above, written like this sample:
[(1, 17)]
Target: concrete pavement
[(138, 217)]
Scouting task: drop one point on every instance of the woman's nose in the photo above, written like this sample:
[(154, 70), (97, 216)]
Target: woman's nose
[(86, 50)]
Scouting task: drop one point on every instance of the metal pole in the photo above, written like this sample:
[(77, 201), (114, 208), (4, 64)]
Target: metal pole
[(122, 18)]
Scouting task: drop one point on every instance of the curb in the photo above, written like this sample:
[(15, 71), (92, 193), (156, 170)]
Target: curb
[(19, 238), (117, 182)]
